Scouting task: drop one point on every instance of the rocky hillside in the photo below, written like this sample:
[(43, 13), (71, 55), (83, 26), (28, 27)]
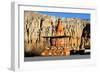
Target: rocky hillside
[(38, 25)]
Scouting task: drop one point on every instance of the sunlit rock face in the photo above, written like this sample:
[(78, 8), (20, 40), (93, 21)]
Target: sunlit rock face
[(37, 25)]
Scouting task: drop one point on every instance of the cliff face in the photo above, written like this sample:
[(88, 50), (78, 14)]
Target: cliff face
[(38, 25)]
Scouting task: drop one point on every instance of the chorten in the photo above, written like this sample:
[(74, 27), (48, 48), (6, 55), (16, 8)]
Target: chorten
[(59, 32), (59, 28)]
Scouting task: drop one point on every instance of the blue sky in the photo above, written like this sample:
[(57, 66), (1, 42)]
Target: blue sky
[(68, 15)]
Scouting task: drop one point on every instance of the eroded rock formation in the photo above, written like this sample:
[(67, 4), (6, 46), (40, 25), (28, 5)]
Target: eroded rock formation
[(37, 25)]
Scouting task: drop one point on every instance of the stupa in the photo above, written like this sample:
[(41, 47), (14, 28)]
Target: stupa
[(58, 42), (59, 28)]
